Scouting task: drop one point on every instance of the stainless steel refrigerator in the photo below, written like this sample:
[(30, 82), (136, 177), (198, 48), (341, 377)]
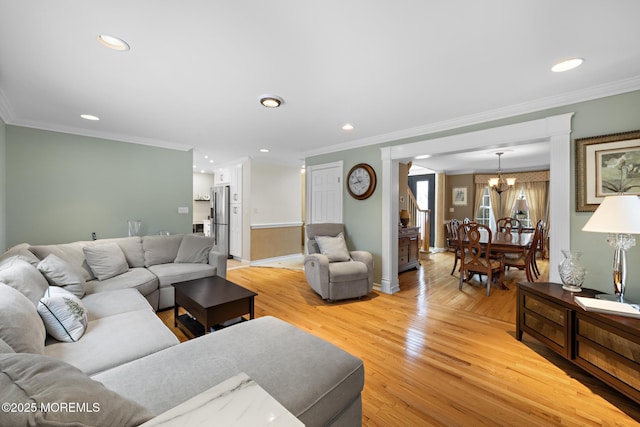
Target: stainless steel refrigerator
[(220, 216)]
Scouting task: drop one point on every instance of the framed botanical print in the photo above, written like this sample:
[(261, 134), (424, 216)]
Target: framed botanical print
[(606, 165), (459, 196)]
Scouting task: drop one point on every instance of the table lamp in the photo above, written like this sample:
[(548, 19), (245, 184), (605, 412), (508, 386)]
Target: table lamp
[(620, 217)]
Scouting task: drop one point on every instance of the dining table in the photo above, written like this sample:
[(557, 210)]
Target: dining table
[(516, 241)]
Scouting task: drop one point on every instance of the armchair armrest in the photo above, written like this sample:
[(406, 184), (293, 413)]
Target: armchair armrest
[(316, 270), (366, 258), (219, 260)]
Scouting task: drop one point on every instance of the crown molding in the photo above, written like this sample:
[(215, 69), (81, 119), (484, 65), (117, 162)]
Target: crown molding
[(102, 135), (601, 91), (6, 112)]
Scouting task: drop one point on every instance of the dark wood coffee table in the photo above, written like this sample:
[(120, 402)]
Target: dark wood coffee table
[(212, 301)]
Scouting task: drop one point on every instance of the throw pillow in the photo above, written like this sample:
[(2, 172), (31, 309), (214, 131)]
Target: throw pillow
[(21, 275), (20, 326), (40, 382), (335, 248), (194, 249), (5, 348), (160, 249), (106, 260), (62, 273), (63, 314)]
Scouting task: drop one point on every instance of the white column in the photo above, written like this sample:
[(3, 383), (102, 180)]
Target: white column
[(390, 219)]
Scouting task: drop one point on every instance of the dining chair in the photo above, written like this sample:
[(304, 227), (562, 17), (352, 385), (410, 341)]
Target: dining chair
[(452, 241), (541, 248), (527, 260), (508, 224), (476, 257)]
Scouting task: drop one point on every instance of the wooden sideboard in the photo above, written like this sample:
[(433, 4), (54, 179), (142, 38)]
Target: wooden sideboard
[(606, 346), (408, 248)]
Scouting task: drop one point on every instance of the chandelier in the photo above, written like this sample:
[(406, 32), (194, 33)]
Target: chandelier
[(501, 184)]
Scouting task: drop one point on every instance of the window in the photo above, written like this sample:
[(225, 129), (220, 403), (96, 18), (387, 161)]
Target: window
[(485, 214), (522, 214), (422, 188)]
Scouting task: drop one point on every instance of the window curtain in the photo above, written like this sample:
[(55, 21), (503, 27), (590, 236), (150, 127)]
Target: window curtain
[(537, 195), (479, 194), (501, 205)]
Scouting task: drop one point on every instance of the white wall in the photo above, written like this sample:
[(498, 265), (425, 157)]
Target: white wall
[(275, 194), (202, 183)]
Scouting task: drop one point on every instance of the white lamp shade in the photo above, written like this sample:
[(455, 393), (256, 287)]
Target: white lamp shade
[(616, 214)]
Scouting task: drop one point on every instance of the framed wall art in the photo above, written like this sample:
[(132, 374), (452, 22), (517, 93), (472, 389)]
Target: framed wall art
[(605, 166), (459, 196)]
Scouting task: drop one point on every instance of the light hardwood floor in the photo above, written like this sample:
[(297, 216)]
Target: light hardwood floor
[(438, 356)]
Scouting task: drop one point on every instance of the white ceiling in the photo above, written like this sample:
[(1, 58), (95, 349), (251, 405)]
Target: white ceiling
[(397, 69)]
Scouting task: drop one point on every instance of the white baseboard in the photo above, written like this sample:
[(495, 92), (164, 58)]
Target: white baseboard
[(292, 257)]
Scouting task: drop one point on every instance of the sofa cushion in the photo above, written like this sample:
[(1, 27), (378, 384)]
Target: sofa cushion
[(30, 379), (70, 252), (174, 272), (20, 325), (105, 260), (62, 273), (335, 248), (21, 251), (160, 249), (5, 348), (63, 314), (141, 279), (23, 276), (114, 340), (194, 249), (131, 247), (262, 348), (109, 303), (347, 271)]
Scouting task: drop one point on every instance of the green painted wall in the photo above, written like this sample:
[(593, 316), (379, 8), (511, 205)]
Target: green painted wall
[(3, 187), (362, 218), (612, 114), (61, 187)]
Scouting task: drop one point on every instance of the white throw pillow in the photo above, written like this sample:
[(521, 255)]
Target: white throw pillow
[(62, 273), (20, 326), (194, 249), (335, 248), (106, 260), (63, 314)]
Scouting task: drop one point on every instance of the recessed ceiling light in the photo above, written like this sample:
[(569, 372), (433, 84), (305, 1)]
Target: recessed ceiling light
[(271, 101), (113, 42), (202, 171), (347, 126), (211, 161), (194, 166), (424, 156), (567, 65), (89, 117), (264, 150)]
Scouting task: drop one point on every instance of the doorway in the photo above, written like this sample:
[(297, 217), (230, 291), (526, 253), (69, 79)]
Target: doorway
[(423, 188)]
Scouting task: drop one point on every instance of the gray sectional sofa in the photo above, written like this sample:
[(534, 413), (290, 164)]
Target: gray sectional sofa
[(78, 326)]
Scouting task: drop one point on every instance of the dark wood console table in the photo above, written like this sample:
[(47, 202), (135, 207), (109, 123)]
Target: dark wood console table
[(408, 248), (606, 346)]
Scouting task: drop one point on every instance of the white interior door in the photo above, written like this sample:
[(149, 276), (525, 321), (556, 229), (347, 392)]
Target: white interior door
[(324, 186)]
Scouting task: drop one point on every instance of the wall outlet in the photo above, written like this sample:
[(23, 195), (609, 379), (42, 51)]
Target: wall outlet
[(452, 210), (183, 210)]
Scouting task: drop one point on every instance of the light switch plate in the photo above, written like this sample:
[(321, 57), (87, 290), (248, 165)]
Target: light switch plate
[(183, 209)]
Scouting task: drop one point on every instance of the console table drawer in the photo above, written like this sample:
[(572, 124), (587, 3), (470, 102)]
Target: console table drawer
[(602, 351), (546, 321)]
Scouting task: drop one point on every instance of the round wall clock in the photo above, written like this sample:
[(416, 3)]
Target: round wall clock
[(361, 181)]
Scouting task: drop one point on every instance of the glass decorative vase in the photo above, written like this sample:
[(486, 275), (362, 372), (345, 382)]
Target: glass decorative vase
[(572, 272), (134, 227)]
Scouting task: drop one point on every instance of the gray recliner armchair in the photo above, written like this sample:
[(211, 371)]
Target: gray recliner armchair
[(333, 271)]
